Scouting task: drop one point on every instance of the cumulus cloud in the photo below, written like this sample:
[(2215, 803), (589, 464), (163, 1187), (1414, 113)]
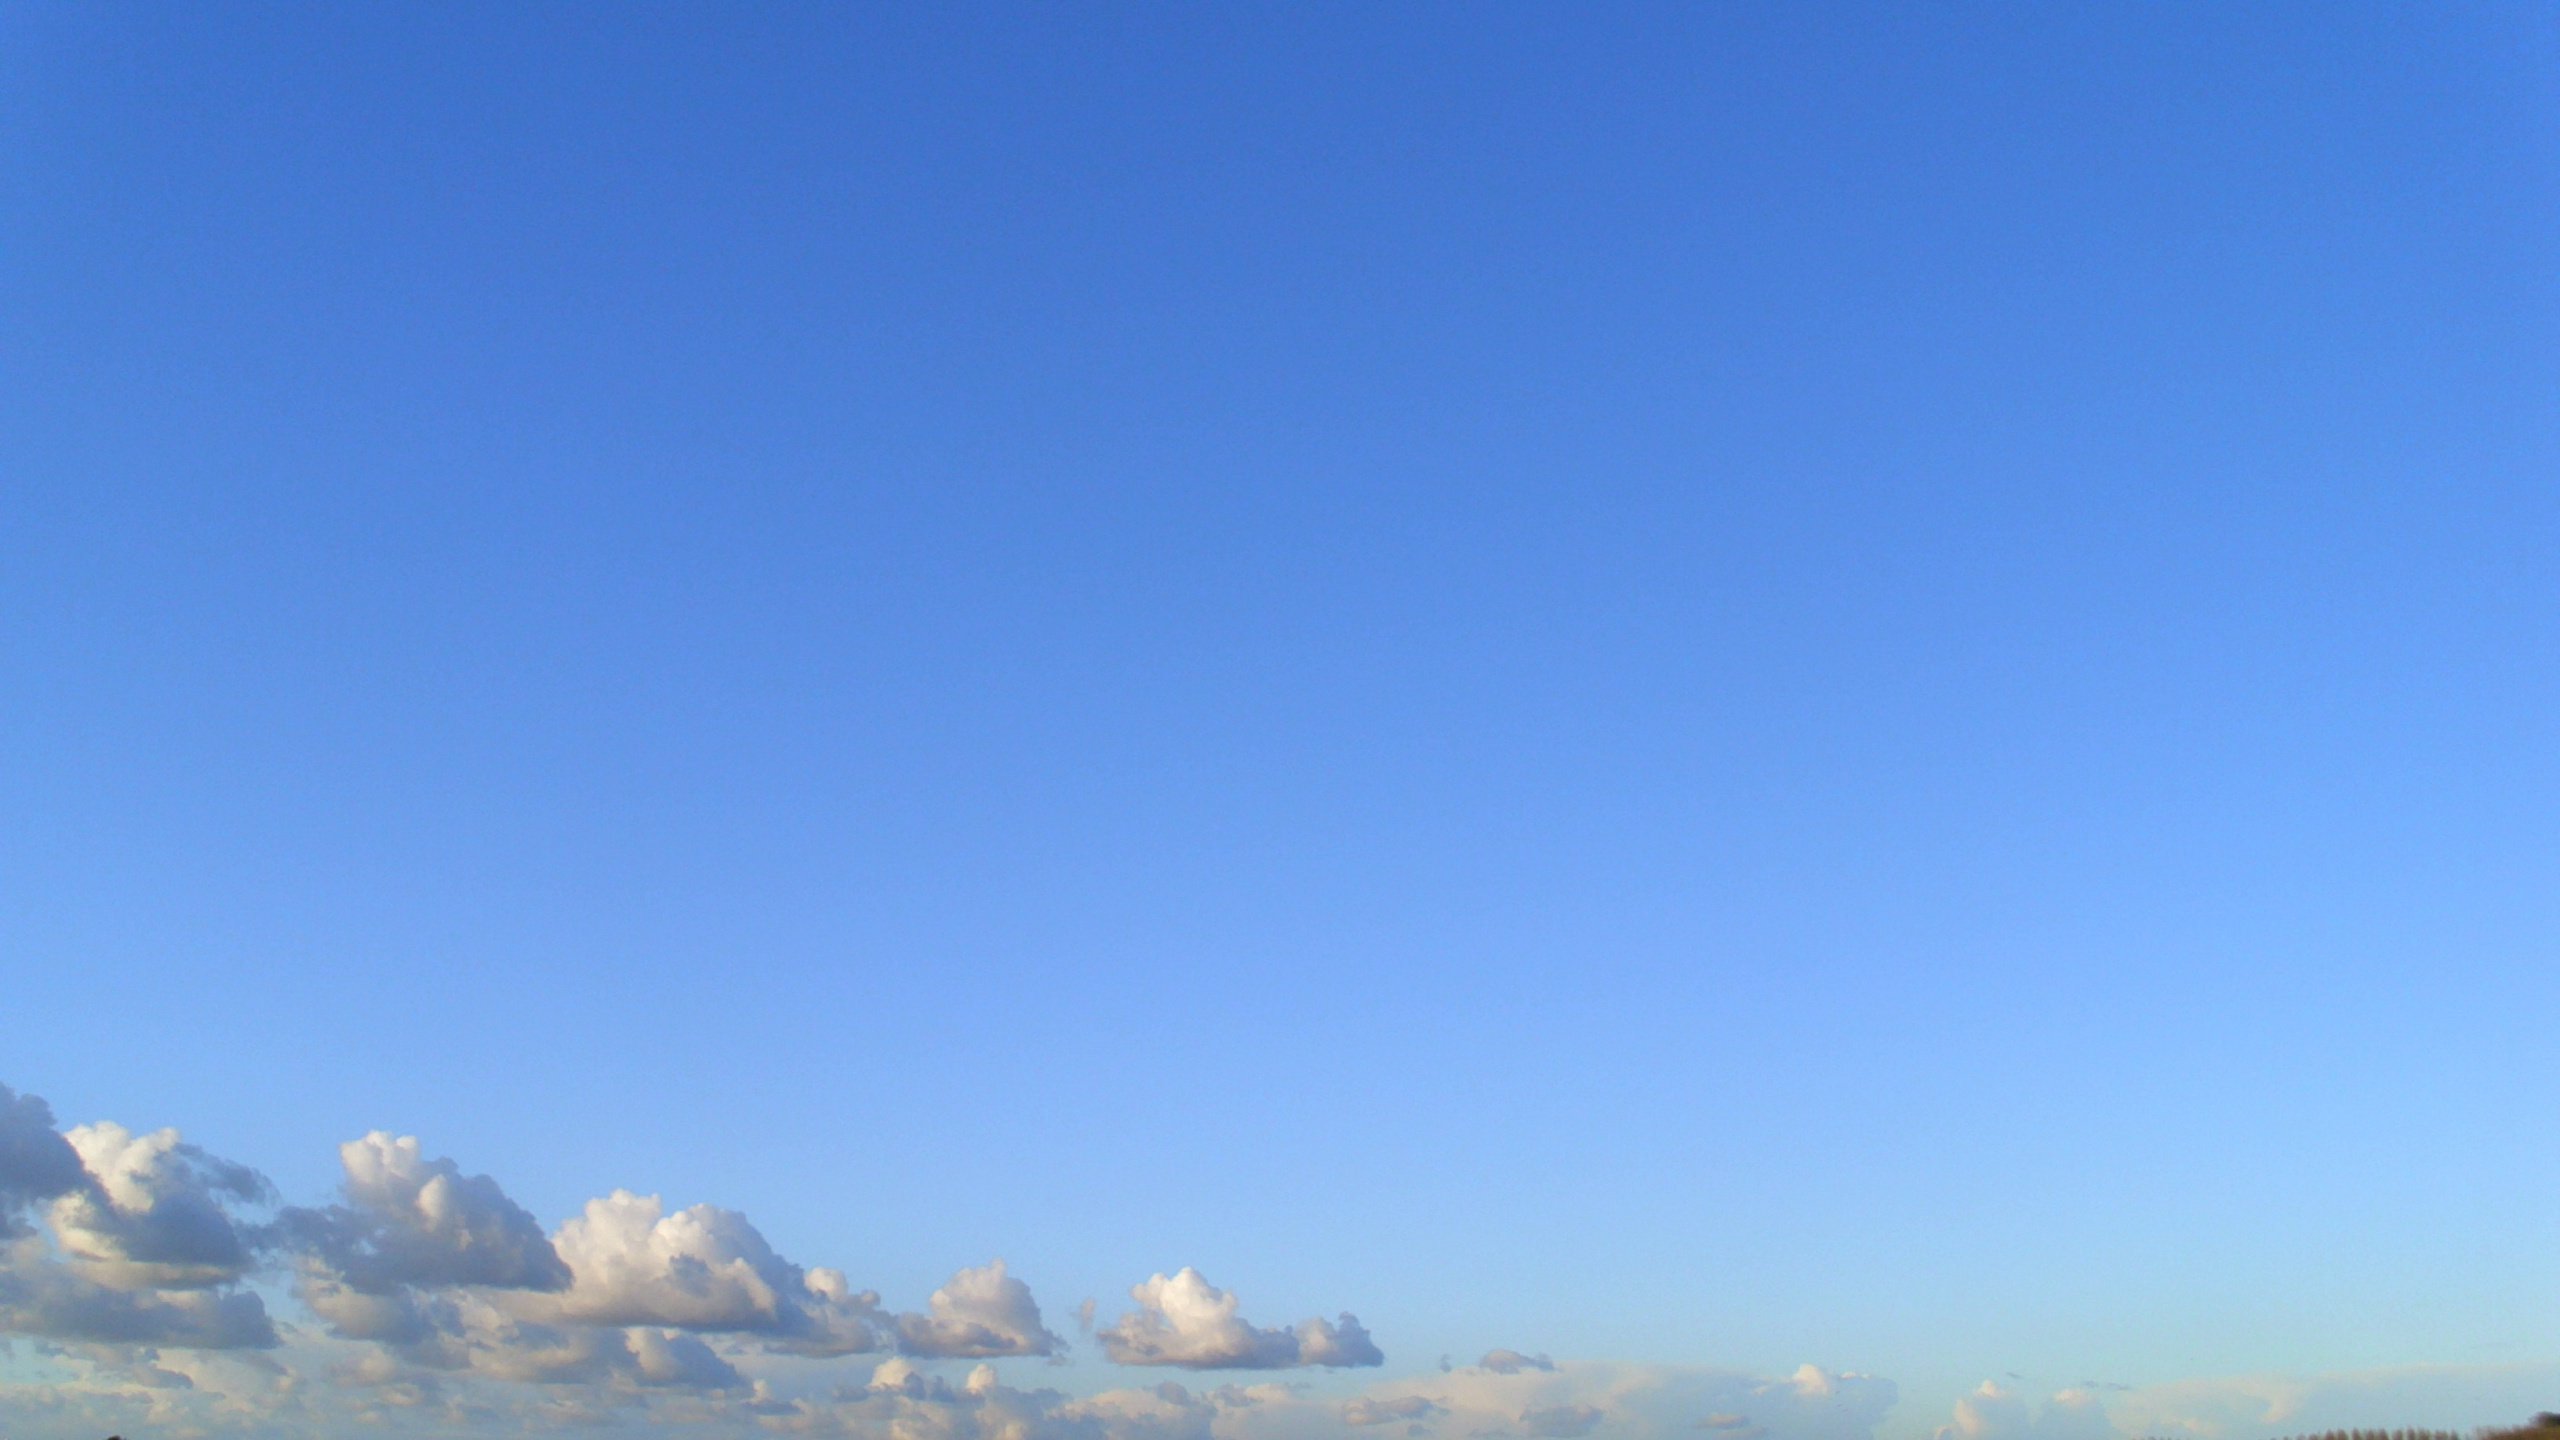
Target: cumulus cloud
[(1184, 1320), (411, 1221), (701, 1268), (1512, 1362), (449, 1273), (144, 1249), (36, 1163), (981, 1312), (154, 1211)]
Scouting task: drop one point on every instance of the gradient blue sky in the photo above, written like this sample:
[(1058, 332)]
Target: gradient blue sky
[(1738, 684)]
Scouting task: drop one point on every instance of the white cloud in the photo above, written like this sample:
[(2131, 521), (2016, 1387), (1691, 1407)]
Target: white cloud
[(1184, 1320), (701, 1268), (144, 1249), (411, 1221), (981, 1312), (154, 1211), (906, 1400)]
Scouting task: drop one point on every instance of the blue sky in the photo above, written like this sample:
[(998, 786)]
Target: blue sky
[(1724, 686)]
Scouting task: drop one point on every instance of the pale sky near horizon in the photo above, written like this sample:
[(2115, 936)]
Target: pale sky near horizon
[(1696, 689)]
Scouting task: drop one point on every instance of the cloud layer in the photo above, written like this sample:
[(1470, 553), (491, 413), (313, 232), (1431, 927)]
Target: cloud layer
[(431, 1303), (132, 1258)]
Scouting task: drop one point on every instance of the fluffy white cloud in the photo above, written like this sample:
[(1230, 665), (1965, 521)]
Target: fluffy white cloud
[(701, 1268), (144, 1249), (411, 1221), (154, 1210), (981, 1312), (1184, 1320)]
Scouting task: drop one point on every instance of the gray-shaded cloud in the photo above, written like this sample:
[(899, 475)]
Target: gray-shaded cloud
[(145, 1250), (36, 1163), (1184, 1320), (41, 1296), (1388, 1409), (1512, 1362)]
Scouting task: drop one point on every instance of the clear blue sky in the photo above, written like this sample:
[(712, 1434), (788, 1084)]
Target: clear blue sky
[(1737, 684)]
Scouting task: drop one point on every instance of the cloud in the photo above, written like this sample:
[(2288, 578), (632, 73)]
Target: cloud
[(981, 1312), (41, 1296), (36, 1163), (153, 1211), (1366, 1411), (1645, 1402), (1994, 1413), (1512, 1362), (701, 1268), (2260, 1406), (1561, 1422), (411, 1221), (402, 1317), (903, 1403), (143, 1249), (1614, 1402), (637, 1355), (1184, 1320)]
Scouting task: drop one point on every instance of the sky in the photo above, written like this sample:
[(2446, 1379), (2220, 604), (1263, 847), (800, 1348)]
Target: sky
[(1634, 718)]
